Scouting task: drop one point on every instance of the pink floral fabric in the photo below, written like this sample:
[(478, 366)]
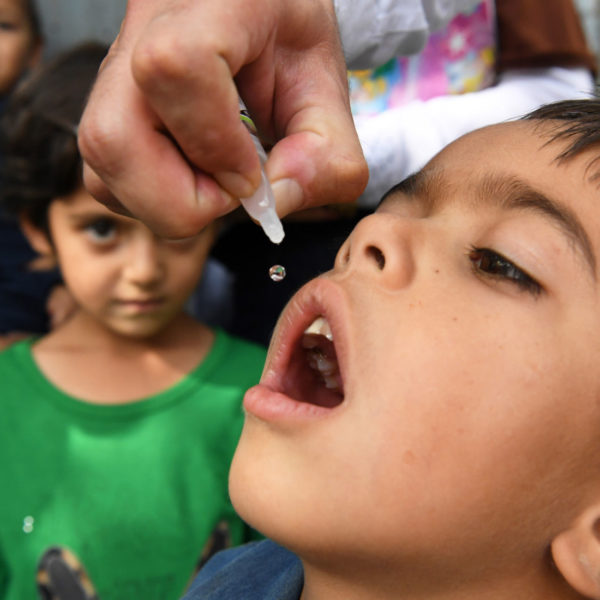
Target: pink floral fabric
[(458, 59)]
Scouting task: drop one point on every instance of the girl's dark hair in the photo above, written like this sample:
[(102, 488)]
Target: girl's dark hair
[(38, 132), (34, 19), (576, 121)]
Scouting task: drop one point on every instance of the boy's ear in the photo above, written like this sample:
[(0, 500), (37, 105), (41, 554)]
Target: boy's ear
[(37, 238), (576, 553)]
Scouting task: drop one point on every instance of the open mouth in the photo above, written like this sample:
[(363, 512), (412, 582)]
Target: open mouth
[(313, 374)]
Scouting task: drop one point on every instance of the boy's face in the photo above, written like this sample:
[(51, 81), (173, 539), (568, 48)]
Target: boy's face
[(119, 272), (18, 48), (465, 315)]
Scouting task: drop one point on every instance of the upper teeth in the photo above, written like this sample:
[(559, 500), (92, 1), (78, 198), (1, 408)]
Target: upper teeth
[(320, 326), (326, 366)]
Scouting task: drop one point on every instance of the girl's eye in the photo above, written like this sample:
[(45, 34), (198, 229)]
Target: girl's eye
[(492, 264), (101, 230)]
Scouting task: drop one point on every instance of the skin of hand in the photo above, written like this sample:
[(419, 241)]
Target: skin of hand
[(162, 133)]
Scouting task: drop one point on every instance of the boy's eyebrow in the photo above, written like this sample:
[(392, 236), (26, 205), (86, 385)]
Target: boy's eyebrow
[(410, 186), (509, 192), (506, 192)]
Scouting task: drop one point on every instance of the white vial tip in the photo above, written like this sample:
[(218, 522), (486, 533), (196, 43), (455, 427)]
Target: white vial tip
[(272, 226)]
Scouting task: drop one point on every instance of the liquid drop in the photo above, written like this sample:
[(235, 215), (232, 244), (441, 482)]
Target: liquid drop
[(277, 273)]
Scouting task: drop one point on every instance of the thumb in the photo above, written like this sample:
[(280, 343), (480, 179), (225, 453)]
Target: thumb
[(319, 162)]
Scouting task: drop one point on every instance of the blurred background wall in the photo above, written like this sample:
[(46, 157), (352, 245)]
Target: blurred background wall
[(69, 21), (590, 17)]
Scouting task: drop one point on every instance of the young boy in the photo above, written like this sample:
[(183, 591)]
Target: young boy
[(30, 298), (117, 428), (427, 424)]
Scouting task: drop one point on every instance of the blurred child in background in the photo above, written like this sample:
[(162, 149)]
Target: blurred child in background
[(30, 298), (118, 427)]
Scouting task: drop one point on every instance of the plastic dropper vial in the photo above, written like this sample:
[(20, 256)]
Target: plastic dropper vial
[(261, 205)]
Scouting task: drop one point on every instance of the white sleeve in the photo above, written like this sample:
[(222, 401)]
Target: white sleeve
[(400, 141), (373, 31)]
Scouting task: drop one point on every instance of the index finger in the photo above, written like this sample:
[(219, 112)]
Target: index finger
[(130, 158)]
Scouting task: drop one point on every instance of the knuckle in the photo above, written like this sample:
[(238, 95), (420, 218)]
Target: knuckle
[(157, 59), (163, 59), (98, 137)]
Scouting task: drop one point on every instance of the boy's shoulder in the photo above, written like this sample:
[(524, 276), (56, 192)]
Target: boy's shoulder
[(256, 571)]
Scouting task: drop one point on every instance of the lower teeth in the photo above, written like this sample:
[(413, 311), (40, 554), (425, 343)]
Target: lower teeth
[(324, 367), (331, 383)]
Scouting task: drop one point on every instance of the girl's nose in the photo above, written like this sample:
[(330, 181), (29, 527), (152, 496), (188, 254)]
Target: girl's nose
[(380, 248), (144, 265)]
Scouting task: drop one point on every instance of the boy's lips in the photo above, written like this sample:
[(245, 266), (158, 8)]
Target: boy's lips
[(304, 374)]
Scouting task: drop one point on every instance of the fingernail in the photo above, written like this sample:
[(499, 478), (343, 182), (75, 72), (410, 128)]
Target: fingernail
[(288, 195), (212, 199), (228, 202), (236, 184)]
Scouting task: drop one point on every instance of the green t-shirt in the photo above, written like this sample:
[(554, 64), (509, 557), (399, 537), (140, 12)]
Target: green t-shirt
[(133, 490)]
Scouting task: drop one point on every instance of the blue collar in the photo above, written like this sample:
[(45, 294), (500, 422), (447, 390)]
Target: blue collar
[(255, 571)]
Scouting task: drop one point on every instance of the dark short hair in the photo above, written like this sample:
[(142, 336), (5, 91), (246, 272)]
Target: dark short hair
[(38, 143), (34, 19), (575, 121)]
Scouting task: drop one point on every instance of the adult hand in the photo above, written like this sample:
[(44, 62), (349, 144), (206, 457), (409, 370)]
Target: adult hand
[(162, 133)]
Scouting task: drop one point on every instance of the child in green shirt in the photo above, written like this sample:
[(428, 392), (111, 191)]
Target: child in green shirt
[(117, 428)]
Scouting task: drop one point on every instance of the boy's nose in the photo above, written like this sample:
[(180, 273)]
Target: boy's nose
[(144, 266), (380, 247)]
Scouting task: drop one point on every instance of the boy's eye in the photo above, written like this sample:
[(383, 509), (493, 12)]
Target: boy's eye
[(101, 230), (7, 26), (491, 264)]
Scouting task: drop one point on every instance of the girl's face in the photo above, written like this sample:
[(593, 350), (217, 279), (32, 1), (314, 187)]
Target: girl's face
[(119, 272), (18, 47)]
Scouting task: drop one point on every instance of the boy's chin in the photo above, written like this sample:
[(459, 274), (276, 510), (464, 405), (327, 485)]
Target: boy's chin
[(261, 494), (267, 493), (251, 498)]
